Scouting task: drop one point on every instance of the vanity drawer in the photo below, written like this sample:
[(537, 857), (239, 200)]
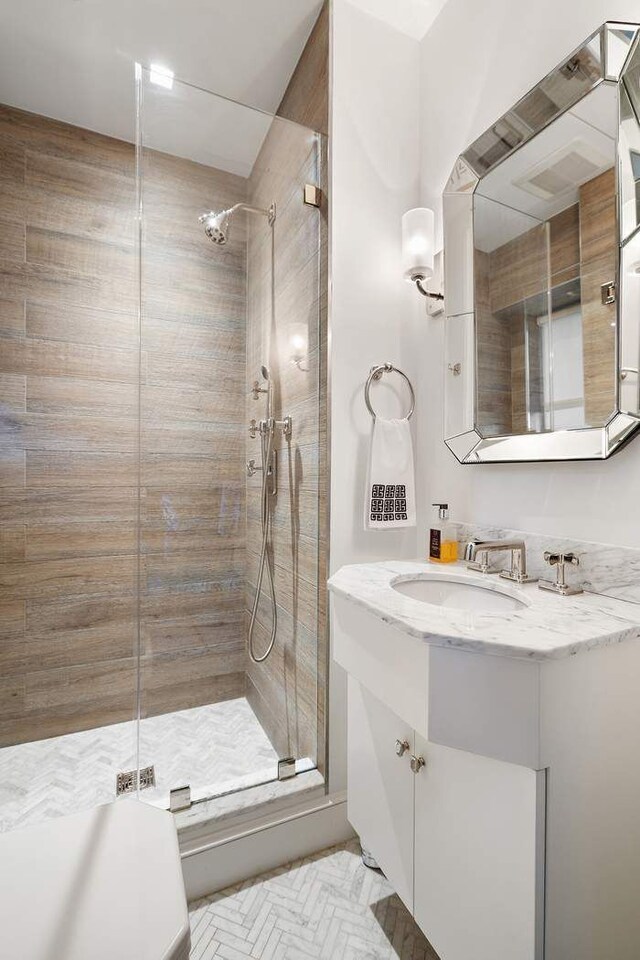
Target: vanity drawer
[(392, 665), (483, 704)]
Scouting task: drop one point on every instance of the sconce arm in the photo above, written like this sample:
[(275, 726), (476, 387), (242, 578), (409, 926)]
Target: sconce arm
[(426, 293)]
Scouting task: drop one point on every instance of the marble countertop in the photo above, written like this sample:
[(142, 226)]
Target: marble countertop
[(548, 626)]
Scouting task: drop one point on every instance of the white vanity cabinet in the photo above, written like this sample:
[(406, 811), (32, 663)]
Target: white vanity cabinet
[(519, 838), (380, 786), (458, 838), (477, 862)]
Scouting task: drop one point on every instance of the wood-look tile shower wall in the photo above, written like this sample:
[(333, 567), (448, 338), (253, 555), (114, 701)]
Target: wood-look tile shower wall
[(581, 244), (69, 375), (287, 691)]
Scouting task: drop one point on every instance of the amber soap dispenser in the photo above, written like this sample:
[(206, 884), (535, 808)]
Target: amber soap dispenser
[(443, 545)]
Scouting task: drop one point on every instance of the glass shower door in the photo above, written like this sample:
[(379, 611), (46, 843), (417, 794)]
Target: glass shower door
[(229, 269)]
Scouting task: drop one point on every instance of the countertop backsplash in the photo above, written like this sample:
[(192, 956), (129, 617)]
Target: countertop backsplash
[(604, 568)]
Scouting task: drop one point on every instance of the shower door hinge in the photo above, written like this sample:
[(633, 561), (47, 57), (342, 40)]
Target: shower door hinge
[(608, 293), (129, 781), (179, 799), (286, 768), (312, 195)]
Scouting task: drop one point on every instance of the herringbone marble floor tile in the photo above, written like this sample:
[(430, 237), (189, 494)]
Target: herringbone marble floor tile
[(325, 907), (216, 749)]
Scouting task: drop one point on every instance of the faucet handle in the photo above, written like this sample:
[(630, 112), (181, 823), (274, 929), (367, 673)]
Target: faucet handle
[(557, 559), (560, 585)]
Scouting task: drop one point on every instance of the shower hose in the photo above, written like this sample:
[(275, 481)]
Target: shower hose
[(266, 560)]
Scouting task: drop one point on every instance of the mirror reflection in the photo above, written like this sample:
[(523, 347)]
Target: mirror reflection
[(545, 255)]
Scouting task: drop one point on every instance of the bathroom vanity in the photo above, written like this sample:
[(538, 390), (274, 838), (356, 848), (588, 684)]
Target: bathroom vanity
[(493, 758)]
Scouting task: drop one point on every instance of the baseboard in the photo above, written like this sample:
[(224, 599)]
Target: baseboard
[(299, 833)]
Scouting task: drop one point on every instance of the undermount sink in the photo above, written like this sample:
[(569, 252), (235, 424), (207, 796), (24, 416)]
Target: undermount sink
[(458, 594)]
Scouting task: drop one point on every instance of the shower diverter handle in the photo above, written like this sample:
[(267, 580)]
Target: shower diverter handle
[(270, 426)]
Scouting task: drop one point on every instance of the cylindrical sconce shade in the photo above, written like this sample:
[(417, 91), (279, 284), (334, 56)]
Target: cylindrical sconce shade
[(298, 343), (417, 243)]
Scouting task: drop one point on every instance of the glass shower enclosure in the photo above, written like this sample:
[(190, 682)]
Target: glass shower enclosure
[(161, 455)]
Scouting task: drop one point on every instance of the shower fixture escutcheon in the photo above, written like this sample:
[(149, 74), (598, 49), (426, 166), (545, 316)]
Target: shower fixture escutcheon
[(270, 425)]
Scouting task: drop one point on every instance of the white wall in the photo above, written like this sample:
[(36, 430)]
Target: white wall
[(375, 315), (374, 312), (476, 61)]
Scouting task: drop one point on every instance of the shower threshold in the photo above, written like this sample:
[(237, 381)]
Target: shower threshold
[(220, 817), (218, 750)]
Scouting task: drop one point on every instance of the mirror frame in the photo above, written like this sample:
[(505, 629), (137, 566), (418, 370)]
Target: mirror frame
[(605, 56)]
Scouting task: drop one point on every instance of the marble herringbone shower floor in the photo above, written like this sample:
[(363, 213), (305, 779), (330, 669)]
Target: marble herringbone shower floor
[(216, 749), (326, 907)]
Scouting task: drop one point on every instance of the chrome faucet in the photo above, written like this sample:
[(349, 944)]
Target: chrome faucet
[(477, 553)]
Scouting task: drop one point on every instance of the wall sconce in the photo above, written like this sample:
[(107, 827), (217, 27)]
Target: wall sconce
[(298, 345), (418, 248)]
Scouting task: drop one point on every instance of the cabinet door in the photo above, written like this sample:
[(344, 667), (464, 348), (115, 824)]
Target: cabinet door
[(380, 786), (479, 829)]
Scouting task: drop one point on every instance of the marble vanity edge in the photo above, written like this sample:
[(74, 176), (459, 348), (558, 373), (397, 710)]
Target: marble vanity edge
[(488, 646), (604, 569)]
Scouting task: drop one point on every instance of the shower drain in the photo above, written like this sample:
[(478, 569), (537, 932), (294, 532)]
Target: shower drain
[(129, 781)]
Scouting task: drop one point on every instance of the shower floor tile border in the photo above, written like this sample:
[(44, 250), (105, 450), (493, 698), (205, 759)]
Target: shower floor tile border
[(327, 906), (217, 749)]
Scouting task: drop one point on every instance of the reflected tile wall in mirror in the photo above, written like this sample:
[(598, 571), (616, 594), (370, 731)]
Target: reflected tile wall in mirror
[(545, 240)]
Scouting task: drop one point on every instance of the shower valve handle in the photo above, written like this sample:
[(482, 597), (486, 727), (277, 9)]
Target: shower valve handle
[(286, 426), (253, 428), (256, 390)]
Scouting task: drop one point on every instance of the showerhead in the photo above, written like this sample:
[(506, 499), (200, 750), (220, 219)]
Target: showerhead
[(216, 224), (265, 372)]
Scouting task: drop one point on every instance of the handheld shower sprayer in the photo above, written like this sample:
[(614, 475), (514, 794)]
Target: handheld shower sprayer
[(266, 429), (265, 376)]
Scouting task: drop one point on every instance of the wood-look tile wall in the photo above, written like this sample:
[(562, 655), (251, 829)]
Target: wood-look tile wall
[(493, 356), (288, 690), (69, 375), (598, 252), (504, 278), (68, 389), (578, 242), (193, 524)]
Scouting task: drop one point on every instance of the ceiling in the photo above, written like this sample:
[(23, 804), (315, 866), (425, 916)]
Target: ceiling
[(503, 206), (73, 60), (413, 17)]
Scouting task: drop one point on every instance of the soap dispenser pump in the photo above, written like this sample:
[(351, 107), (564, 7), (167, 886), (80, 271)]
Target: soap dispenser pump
[(443, 545)]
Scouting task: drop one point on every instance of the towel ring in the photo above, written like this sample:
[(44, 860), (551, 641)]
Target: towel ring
[(375, 374)]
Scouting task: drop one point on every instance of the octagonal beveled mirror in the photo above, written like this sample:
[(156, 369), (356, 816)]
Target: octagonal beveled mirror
[(542, 267)]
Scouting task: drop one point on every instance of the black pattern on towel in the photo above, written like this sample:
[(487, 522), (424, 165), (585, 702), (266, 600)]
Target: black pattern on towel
[(388, 502)]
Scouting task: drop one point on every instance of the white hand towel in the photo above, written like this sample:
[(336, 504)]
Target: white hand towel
[(390, 498)]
